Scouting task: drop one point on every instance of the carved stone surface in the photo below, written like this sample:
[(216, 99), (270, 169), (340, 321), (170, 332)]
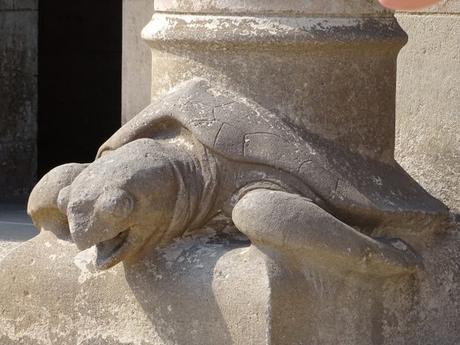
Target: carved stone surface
[(328, 66), (208, 289), (201, 150), (178, 163), (428, 121), (322, 238)]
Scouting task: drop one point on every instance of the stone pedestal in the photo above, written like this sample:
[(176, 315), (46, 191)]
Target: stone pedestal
[(207, 289)]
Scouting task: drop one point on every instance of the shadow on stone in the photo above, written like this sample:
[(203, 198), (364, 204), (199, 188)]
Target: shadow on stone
[(176, 288)]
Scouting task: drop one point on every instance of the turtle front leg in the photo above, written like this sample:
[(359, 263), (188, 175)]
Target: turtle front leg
[(295, 226), (43, 204)]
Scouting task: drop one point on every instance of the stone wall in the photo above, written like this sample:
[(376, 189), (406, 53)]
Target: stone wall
[(428, 100), (136, 74), (18, 96)]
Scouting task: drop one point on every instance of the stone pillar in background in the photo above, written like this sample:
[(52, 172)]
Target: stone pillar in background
[(328, 65), (136, 74), (428, 100), (18, 97)]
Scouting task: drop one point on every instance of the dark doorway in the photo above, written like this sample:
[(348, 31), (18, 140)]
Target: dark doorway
[(79, 70)]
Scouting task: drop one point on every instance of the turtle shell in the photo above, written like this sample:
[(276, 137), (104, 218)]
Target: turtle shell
[(357, 189)]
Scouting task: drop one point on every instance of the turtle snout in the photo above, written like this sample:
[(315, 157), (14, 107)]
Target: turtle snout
[(98, 219), (81, 233), (88, 230)]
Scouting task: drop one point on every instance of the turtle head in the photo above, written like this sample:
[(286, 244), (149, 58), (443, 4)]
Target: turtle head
[(123, 203)]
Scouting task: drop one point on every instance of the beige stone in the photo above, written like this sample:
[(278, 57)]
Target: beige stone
[(443, 7), (322, 72), (136, 66), (184, 294), (289, 7), (428, 102), (208, 289), (342, 246)]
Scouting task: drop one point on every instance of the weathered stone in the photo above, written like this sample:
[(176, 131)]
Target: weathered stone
[(17, 161), (208, 289), (173, 167), (18, 106), (19, 5), (138, 304), (136, 77), (285, 134), (297, 7), (201, 150), (428, 102), (322, 64), (18, 97), (68, 304)]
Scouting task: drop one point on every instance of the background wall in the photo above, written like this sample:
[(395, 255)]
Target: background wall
[(73, 48), (137, 61), (18, 96), (428, 100)]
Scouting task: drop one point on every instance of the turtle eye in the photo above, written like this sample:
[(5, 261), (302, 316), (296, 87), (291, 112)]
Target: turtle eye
[(115, 203), (63, 199)]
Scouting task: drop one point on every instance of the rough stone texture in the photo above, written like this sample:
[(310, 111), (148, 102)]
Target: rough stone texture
[(196, 152), (136, 69), (301, 279), (283, 55), (428, 102), (6, 247), (290, 7), (69, 304), (201, 150), (443, 7), (206, 290), (18, 97), (183, 294), (290, 65)]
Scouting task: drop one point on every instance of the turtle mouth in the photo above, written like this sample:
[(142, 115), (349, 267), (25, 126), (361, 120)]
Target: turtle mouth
[(111, 252)]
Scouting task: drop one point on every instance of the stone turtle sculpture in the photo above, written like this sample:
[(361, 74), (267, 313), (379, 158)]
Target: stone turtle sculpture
[(201, 150)]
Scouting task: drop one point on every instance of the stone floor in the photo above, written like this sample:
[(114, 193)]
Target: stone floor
[(15, 227)]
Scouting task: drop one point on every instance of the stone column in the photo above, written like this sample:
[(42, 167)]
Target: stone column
[(328, 65), (136, 67), (428, 102)]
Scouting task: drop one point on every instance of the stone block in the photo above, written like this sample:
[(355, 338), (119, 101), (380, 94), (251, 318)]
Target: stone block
[(443, 7), (136, 60), (206, 290), (19, 43), (296, 7), (18, 5), (17, 167), (428, 105), (18, 97), (18, 107)]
